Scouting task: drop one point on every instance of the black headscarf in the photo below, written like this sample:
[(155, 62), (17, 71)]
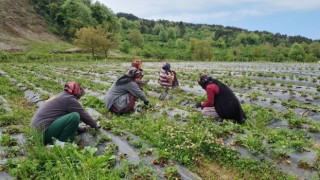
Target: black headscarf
[(226, 103), (130, 75), (206, 80), (166, 66)]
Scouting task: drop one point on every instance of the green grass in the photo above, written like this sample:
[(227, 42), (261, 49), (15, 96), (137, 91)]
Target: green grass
[(47, 47)]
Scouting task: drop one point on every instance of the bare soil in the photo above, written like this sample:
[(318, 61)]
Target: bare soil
[(20, 24)]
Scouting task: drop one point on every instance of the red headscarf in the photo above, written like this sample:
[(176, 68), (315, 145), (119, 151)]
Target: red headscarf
[(74, 88), (136, 63)]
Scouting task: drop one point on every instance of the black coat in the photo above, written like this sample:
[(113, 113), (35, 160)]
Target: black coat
[(227, 104)]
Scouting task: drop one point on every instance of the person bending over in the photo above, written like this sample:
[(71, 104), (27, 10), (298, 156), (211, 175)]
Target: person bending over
[(221, 102), (60, 116), (167, 79), (123, 93)]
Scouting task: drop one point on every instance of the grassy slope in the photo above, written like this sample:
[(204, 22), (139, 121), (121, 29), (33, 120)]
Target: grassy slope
[(20, 26)]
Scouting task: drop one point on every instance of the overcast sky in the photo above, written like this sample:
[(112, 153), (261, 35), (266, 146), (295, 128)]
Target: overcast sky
[(291, 17)]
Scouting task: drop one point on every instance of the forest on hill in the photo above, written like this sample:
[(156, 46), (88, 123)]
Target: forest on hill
[(82, 21)]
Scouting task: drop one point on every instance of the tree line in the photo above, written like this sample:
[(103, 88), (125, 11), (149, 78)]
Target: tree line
[(95, 27)]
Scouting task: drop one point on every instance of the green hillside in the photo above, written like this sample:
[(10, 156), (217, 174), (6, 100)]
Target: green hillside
[(148, 39)]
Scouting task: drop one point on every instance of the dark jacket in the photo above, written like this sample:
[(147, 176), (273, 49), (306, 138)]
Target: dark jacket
[(60, 105), (227, 104)]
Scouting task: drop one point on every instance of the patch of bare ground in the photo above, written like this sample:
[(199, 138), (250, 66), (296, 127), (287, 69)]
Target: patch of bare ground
[(20, 24), (210, 171)]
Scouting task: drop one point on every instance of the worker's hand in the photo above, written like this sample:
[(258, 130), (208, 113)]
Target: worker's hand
[(147, 105), (198, 105)]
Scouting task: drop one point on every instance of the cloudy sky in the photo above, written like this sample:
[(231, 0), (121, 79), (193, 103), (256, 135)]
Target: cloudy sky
[(291, 17)]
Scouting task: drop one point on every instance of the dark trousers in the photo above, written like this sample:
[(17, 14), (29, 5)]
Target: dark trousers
[(64, 128), (128, 109)]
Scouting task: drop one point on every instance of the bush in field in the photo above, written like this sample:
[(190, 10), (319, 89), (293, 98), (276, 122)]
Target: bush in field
[(95, 39), (201, 49), (135, 38), (147, 52), (160, 54), (297, 52), (88, 38), (125, 46)]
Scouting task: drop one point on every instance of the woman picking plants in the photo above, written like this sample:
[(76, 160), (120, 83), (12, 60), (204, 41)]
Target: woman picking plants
[(60, 116), (221, 102), (167, 79), (123, 94)]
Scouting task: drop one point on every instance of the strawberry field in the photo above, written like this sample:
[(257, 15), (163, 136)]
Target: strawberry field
[(169, 139)]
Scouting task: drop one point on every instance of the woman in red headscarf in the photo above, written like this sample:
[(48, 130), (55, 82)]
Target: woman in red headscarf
[(60, 116), (136, 65)]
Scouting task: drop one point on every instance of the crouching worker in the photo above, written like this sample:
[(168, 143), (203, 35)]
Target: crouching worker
[(123, 93), (60, 116), (167, 79), (221, 102)]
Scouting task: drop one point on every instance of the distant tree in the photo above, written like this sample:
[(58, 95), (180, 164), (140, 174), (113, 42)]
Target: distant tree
[(311, 58), (201, 49), (280, 53), (266, 37), (306, 47), (315, 49), (157, 28), (160, 54), (246, 54), (205, 31), (110, 40), (102, 13), (163, 36), (130, 17), (253, 39), (220, 43), (172, 33), (258, 52), (41, 6), (77, 15), (182, 28), (89, 38), (147, 51), (125, 46), (86, 2), (124, 23), (144, 29), (135, 37), (241, 39), (222, 55), (233, 53), (134, 25), (181, 44), (297, 52), (263, 52)]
